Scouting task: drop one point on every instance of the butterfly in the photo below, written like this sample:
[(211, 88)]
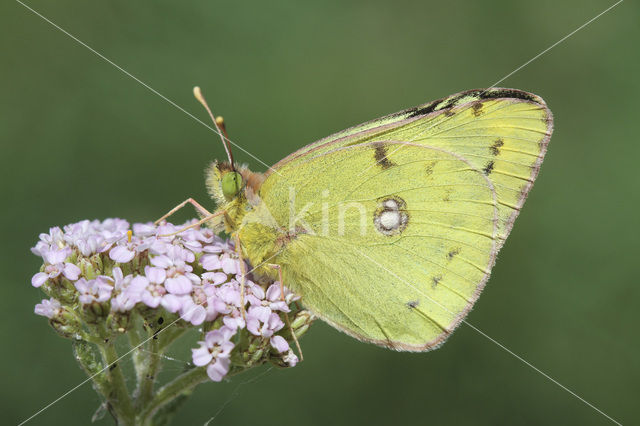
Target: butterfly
[(388, 230)]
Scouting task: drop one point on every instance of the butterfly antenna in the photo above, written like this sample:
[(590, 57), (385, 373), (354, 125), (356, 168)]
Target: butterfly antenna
[(218, 122)]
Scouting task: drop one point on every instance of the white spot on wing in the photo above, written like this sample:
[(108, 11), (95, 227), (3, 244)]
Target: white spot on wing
[(390, 204), (390, 219)]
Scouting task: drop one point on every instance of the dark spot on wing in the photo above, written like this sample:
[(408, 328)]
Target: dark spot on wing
[(431, 107), (429, 168), (506, 93), (412, 304), (488, 168), (452, 101), (476, 109), (447, 195), (495, 148), (453, 253), (422, 110), (381, 156), (435, 281)]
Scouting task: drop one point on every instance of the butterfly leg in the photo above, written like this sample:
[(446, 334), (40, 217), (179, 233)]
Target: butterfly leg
[(243, 274), (286, 316), (194, 203), (193, 225)]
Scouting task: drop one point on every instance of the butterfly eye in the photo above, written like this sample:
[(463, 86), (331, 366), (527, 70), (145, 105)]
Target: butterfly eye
[(231, 184)]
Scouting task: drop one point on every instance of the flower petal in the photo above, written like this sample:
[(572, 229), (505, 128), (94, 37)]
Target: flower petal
[(121, 254), (161, 261), (71, 271), (171, 302), (178, 285), (217, 371), (54, 256), (155, 275), (150, 300), (230, 266), (210, 262), (39, 279), (291, 359), (195, 314), (201, 356), (273, 292), (279, 343)]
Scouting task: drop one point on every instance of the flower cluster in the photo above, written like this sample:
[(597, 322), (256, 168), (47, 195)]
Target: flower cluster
[(108, 272)]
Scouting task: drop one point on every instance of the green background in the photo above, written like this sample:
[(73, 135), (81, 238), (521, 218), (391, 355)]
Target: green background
[(79, 139)]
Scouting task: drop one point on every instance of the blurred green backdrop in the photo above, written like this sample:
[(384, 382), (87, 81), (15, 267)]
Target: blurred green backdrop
[(79, 139)]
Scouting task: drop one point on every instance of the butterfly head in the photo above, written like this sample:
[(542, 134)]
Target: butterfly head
[(224, 183), (227, 183)]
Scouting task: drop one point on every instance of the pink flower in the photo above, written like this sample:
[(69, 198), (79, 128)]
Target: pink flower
[(48, 308), (217, 370), (149, 239), (97, 290), (291, 359), (144, 229), (214, 352), (261, 322), (228, 298), (214, 262), (192, 312), (195, 307), (271, 300), (179, 278), (214, 278), (55, 265), (279, 343), (210, 262), (123, 300), (148, 291), (91, 237), (123, 253), (234, 320)]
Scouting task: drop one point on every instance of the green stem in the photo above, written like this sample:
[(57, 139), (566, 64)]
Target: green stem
[(86, 357), (150, 361), (118, 395), (178, 386), (144, 393), (135, 334)]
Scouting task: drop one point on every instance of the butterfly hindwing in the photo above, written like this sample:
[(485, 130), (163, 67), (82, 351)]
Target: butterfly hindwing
[(400, 259)]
